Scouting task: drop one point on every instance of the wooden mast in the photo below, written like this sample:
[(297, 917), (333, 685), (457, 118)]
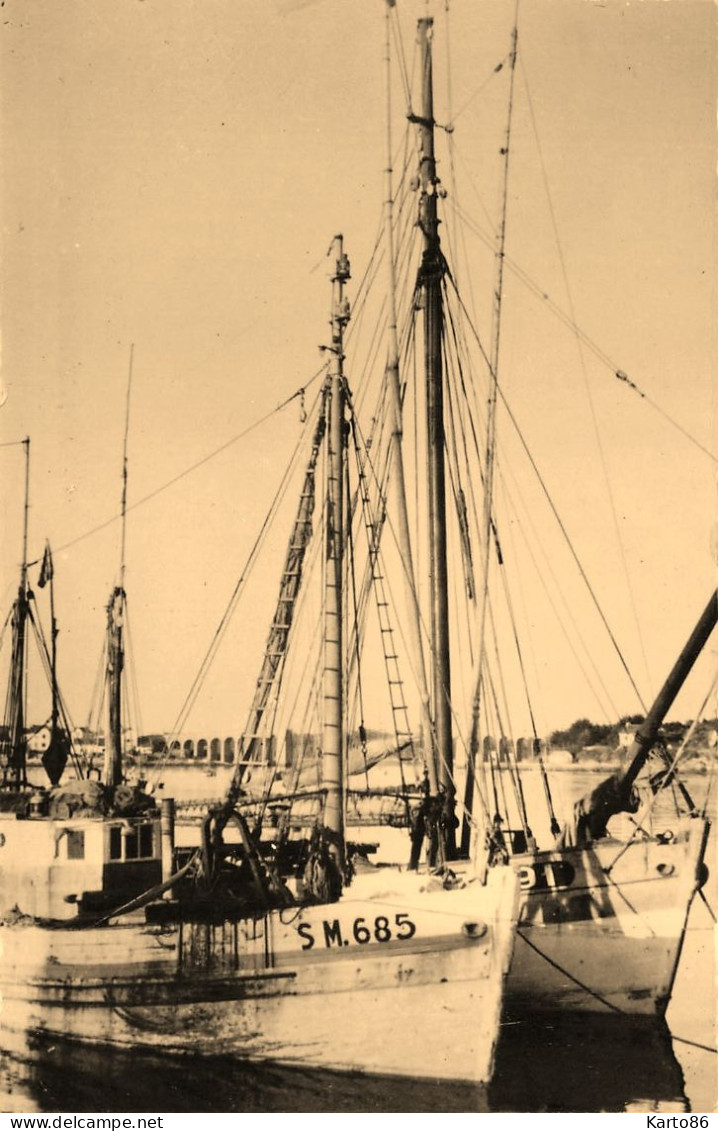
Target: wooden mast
[(112, 774), (55, 757), (333, 681), (53, 653), (398, 479), (116, 611), (15, 773), (430, 279)]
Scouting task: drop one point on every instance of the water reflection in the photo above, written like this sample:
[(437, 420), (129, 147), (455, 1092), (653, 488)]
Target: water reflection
[(597, 1064), (602, 1063), (72, 1079)]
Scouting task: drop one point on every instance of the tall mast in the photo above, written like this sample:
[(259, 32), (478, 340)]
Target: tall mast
[(115, 663), (53, 656), (430, 278), (15, 773), (55, 757), (53, 644), (116, 611), (26, 512), (333, 682), (397, 456)]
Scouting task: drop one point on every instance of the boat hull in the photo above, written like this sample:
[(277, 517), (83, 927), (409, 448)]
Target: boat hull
[(601, 929), (300, 986)]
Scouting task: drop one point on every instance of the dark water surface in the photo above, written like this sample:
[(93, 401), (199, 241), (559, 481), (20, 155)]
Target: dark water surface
[(599, 1064)]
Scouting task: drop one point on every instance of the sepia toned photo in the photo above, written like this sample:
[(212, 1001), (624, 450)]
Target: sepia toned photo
[(358, 558)]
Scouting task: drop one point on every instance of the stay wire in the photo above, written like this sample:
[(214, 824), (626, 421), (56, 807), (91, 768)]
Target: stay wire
[(452, 323), (531, 540), (479, 89), (575, 329), (446, 691), (373, 526), (46, 662), (193, 467), (560, 523), (544, 775), (499, 555), (494, 386), (355, 613), (3, 630), (403, 71), (251, 559), (639, 826), (587, 384)]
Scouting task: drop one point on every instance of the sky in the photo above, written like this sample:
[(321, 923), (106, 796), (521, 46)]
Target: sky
[(172, 175)]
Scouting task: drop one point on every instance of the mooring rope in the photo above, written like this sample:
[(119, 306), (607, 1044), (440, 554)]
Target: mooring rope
[(604, 1001)]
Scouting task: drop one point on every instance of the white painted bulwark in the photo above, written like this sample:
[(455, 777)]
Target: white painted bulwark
[(397, 978)]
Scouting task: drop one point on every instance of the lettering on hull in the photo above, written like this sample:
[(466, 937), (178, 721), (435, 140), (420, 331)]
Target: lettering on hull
[(332, 933)]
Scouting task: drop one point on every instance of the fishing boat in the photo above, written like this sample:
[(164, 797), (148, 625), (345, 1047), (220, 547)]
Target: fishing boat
[(603, 911), (604, 908), (295, 950), (82, 825), (603, 919), (23, 616), (250, 945)]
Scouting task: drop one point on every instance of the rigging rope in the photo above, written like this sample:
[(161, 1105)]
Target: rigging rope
[(98, 694), (79, 765), (133, 708), (299, 393), (640, 825), (456, 722), (499, 558), (489, 459), (406, 82), (479, 90), (469, 413), (556, 515), (3, 630), (373, 526), (355, 611), (250, 562), (598, 997), (575, 329), (587, 385)]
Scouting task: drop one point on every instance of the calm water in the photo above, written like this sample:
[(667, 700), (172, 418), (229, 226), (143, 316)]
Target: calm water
[(600, 1064)]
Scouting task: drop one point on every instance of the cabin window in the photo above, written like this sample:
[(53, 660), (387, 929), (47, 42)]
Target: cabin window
[(75, 844), (146, 847), (136, 843), (139, 843), (131, 845)]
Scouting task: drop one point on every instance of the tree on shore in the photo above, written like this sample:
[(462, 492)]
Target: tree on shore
[(583, 733)]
